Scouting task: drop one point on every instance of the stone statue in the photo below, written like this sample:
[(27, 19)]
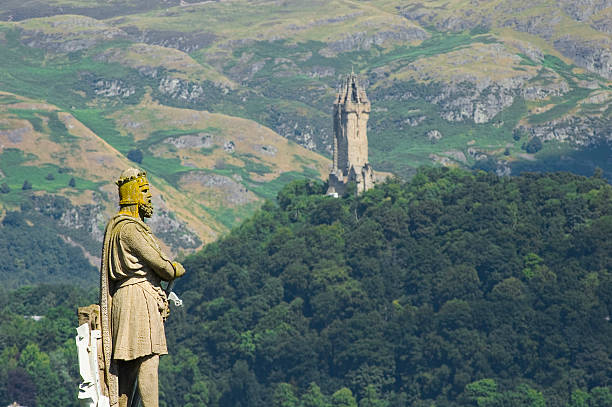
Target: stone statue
[(133, 305)]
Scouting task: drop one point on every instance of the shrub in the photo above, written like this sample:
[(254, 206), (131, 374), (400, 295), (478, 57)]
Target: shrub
[(135, 155)]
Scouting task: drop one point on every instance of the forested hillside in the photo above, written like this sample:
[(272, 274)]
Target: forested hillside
[(457, 288), (453, 289)]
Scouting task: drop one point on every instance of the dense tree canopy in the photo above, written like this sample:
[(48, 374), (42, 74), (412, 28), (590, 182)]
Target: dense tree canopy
[(453, 289), (457, 288)]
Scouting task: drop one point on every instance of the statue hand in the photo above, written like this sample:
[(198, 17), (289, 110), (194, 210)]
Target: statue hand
[(179, 270)]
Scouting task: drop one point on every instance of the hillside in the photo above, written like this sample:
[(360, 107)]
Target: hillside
[(204, 94), (208, 170), (455, 289), (347, 293)]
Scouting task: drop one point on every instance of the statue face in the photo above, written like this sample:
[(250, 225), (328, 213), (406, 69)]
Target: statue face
[(145, 206)]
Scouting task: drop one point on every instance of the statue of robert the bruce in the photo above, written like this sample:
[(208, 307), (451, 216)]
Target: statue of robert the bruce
[(133, 305)]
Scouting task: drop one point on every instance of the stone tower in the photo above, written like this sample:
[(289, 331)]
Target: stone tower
[(351, 113)]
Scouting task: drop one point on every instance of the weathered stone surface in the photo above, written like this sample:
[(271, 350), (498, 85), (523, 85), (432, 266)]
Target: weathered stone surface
[(267, 150), (234, 192), (88, 218), (580, 131), (582, 10), (542, 25), (603, 24), (113, 88), (200, 140), (229, 146), (172, 230), (548, 86), (15, 135), (77, 33), (434, 135), (184, 41), (180, 89), (592, 55), (364, 41)]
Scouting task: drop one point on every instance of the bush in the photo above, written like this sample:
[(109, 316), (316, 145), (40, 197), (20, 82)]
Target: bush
[(4, 188), (533, 145), (26, 185), (135, 155)]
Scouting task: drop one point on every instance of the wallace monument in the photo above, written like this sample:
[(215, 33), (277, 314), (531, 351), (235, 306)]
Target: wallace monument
[(350, 163)]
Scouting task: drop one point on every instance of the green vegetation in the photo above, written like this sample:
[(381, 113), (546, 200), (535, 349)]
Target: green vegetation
[(16, 169), (34, 251), (38, 359), (53, 125), (317, 301), (341, 299)]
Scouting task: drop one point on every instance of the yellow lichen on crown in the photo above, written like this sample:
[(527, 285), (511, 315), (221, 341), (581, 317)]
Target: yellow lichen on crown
[(130, 174), (130, 183)]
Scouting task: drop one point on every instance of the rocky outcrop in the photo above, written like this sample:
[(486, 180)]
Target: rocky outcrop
[(233, 192), (171, 230), (229, 147), (364, 40), (77, 33), (113, 88), (88, 218), (459, 21), (468, 102), (433, 135), (200, 140), (582, 10), (580, 131), (306, 135), (545, 87), (267, 150), (181, 89), (184, 41), (603, 24), (596, 56), (15, 135), (542, 25)]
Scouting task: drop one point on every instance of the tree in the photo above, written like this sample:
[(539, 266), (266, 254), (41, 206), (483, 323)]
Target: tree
[(72, 183), (533, 145), (482, 392), (313, 397), (372, 398), (135, 155), (343, 398), (26, 185), (284, 396), (4, 188), (49, 177), (198, 395)]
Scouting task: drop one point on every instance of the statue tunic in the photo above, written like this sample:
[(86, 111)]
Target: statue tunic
[(136, 268)]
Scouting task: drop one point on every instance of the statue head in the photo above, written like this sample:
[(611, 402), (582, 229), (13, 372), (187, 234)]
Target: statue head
[(134, 190)]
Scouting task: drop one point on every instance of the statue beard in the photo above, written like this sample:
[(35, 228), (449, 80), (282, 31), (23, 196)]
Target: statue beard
[(146, 209)]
